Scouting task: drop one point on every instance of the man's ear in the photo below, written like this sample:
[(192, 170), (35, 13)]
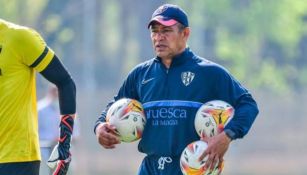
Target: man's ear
[(186, 32)]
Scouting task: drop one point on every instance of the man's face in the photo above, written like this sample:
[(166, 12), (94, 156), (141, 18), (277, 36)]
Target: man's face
[(168, 41)]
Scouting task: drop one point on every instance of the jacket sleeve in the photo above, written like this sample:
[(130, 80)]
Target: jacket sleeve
[(246, 110)]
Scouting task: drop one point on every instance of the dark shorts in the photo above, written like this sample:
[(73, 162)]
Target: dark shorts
[(20, 168), (158, 165)]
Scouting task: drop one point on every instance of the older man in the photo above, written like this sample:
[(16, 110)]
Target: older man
[(171, 87)]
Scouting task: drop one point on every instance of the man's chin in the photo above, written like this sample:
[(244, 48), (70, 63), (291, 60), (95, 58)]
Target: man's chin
[(160, 54)]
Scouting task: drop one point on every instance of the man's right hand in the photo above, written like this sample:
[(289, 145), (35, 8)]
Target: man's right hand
[(106, 135)]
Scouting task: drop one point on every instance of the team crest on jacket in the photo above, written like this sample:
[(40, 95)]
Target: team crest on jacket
[(187, 77)]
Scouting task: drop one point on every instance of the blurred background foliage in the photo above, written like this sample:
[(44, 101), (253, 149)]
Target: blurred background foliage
[(263, 43)]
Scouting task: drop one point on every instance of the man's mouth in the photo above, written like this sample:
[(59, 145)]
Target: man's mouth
[(160, 46)]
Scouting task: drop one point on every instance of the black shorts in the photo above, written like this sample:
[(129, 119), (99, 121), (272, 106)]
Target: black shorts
[(20, 168)]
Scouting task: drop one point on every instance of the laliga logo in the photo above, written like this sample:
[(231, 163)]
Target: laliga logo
[(220, 115), (135, 106)]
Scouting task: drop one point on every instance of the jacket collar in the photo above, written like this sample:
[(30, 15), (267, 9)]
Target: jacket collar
[(180, 58)]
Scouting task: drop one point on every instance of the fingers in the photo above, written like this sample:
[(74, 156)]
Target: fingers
[(108, 144), (210, 161), (110, 128), (62, 167), (217, 146), (214, 163), (203, 155), (108, 140), (106, 135), (221, 165)]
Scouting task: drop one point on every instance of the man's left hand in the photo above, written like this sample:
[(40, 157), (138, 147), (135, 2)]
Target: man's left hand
[(217, 147)]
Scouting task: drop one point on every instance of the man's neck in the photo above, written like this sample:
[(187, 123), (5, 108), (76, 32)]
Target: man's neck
[(167, 61)]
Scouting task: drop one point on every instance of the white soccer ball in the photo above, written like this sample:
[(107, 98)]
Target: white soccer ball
[(212, 117), (128, 117), (189, 163)]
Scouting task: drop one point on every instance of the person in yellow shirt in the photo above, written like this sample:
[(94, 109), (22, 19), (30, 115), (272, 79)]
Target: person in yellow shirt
[(23, 52)]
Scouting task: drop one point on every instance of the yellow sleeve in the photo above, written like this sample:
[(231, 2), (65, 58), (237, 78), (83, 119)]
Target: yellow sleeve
[(32, 49)]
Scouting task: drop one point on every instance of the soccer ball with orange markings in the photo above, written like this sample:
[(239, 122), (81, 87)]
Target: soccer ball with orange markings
[(212, 117), (128, 117), (189, 163)]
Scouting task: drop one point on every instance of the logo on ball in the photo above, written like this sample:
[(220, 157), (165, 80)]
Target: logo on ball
[(212, 117)]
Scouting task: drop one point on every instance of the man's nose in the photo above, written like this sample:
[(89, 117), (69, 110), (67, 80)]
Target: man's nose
[(159, 36)]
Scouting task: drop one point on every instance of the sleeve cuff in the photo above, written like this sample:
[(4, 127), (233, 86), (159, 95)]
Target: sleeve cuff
[(96, 126)]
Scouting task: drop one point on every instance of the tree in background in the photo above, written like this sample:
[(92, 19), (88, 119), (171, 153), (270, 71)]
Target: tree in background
[(263, 43)]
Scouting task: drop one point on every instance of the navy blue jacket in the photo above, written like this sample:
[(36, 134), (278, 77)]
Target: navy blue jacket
[(171, 98)]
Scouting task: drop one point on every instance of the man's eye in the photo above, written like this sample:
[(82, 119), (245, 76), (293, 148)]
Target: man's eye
[(166, 30)]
